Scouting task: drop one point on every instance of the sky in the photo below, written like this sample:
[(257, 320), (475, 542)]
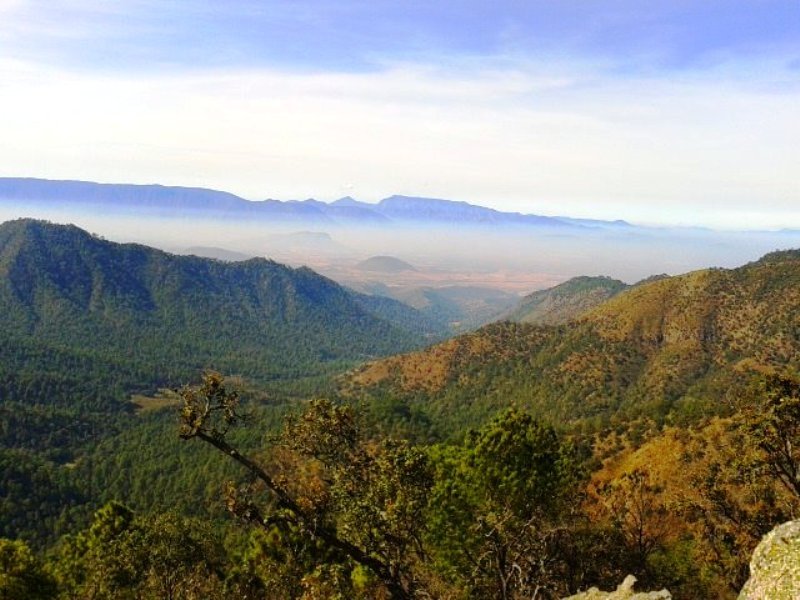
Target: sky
[(674, 112)]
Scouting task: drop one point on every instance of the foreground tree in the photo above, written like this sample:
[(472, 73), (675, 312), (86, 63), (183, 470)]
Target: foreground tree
[(750, 481), (123, 556), (500, 508), (772, 424), (325, 492), (635, 508), (21, 575)]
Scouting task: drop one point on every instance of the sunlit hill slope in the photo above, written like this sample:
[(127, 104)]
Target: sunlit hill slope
[(672, 349)]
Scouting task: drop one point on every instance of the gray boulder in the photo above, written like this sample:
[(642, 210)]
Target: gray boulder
[(624, 591), (775, 566)]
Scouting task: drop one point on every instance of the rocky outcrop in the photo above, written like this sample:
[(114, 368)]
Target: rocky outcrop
[(623, 592), (775, 566)]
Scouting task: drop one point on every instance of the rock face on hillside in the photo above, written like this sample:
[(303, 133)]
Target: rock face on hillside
[(624, 591), (775, 566)]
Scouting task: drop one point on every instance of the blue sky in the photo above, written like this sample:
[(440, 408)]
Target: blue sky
[(679, 111), (364, 35)]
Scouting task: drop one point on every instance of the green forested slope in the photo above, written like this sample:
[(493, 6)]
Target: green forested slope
[(509, 509), (90, 321), (87, 323)]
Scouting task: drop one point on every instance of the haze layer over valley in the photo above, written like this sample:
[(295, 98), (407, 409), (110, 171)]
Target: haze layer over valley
[(446, 243)]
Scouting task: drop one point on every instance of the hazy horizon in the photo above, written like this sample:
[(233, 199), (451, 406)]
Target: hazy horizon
[(670, 113), (327, 199), (516, 260)]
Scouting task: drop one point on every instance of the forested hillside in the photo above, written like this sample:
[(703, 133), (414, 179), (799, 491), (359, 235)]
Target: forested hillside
[(91, 321), (329, 507), (674, 349), (89, 324), (657, 434)]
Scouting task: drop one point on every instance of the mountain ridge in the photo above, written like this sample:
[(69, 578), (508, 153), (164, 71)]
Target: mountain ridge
[(566, 301), (161, 317), (164, 200), (675, 349)]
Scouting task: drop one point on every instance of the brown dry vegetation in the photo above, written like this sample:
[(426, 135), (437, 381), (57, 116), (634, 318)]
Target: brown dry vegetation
[(696, 490), (675, 346)]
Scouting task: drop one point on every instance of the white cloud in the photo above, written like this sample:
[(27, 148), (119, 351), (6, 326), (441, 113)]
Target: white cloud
[(8, 6), (550, 140)]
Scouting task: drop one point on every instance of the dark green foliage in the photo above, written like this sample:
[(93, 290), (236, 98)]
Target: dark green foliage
[(122, 555), (404, 316), (88, 323), (398, 418), (498, 514), (522, 464), (21, 574), (52, 432), (39, 500), (92, 320)]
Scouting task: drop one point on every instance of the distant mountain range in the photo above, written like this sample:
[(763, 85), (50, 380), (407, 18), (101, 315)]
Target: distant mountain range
[(161, 200), (84, 318)]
